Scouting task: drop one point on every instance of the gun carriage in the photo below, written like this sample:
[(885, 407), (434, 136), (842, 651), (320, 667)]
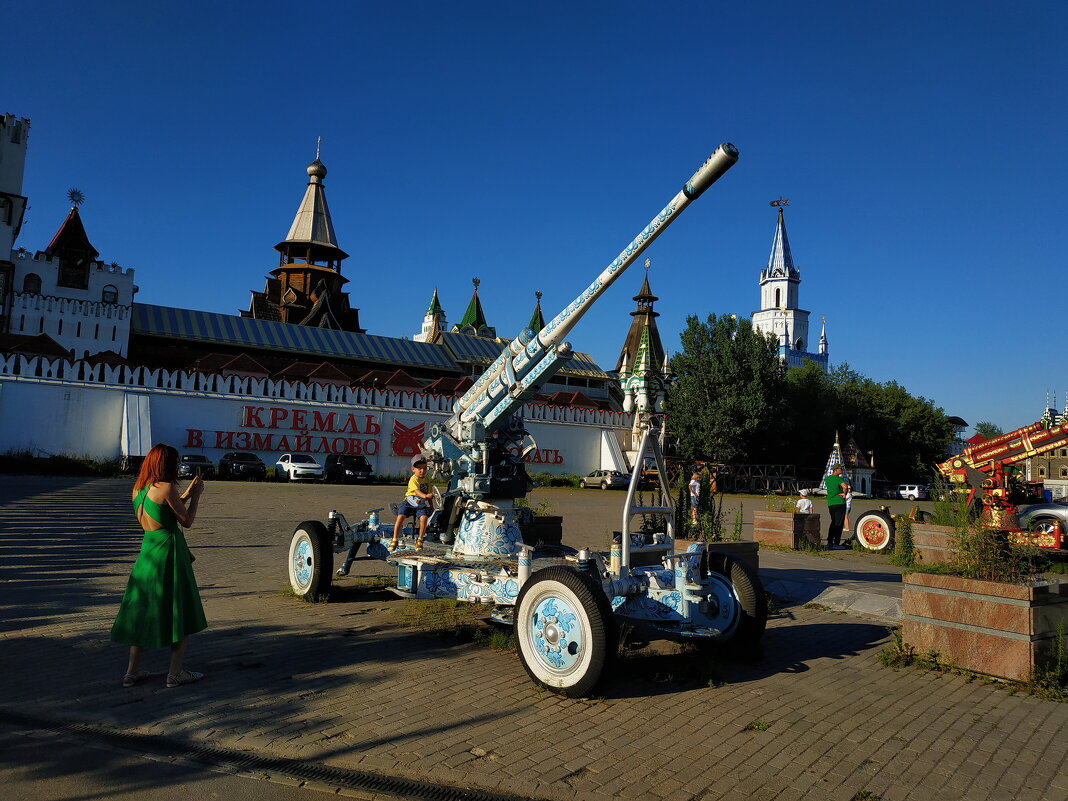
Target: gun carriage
[(563, 603)]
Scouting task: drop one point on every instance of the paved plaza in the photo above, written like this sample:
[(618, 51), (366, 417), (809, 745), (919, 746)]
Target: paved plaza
[(363, 683)]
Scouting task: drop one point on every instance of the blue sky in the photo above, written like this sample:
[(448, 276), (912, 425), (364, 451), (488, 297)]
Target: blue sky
[(922, 147)]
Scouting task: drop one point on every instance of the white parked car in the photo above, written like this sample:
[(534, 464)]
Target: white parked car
[(912, 492), (299, 467)]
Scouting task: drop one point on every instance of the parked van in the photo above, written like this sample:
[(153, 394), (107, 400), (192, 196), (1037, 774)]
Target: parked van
[(912, 492)]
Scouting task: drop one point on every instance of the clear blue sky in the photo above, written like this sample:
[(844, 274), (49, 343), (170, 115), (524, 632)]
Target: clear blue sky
[(922, 147)]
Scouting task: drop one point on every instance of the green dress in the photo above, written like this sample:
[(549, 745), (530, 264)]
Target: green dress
[(161, 604)]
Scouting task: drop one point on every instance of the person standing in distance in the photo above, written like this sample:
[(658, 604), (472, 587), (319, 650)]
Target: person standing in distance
[(837, 488), (695, 495), (804, 503)]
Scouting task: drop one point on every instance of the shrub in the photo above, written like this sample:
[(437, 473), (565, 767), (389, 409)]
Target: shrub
[(904, 554)]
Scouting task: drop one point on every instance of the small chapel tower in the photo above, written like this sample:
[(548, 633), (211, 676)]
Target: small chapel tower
[(643, 368), (306, 288), (433, 321), (474, 319), (780, 314)]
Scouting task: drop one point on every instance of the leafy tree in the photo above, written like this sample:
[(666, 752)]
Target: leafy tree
[(734, 402), (988, 430), (727, 402)]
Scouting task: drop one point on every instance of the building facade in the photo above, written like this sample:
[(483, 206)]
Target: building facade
[(65, 294), (85, 371)]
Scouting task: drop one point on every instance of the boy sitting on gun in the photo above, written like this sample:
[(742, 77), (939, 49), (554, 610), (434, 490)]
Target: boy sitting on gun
[(417, 501)]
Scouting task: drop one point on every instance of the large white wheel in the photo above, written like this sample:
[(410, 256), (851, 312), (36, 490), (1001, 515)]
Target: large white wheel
[(875, 530), (311, 558), (565, 630)]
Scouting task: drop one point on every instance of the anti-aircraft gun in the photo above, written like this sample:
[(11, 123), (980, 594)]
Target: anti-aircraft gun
[(563, 605)]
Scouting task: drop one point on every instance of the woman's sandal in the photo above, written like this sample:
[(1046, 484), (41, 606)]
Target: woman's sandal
[(130, 679), (182, 677)]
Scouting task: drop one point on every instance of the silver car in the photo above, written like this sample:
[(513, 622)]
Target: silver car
[(605, 479), (1044, 517)]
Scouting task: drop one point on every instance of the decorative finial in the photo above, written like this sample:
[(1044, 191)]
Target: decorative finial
[(648, 263), (318, 142), (476, 282), (75, 196), (780, 202), (537, 295)]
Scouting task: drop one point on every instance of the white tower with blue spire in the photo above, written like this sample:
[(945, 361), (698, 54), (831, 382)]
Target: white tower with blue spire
[(780, 314)]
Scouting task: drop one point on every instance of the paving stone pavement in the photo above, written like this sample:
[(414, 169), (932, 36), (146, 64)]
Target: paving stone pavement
[(350, 683)]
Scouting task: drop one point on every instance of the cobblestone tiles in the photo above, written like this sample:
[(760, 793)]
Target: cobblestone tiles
[(816, 718)]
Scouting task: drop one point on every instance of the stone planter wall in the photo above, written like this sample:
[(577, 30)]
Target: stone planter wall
[(1000, 629), (786, 529), (932, 543)]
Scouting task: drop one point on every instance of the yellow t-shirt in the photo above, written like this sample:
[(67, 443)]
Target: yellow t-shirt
[(416, 484)]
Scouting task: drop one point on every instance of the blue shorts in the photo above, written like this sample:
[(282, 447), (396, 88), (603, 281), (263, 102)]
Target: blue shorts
[(407, 510), (693, 501)]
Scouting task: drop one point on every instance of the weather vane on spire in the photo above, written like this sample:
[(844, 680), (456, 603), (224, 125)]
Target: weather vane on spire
[(318, 142), (537, 295), (476, 282), (648, 263), (76, 197), (780, 202)]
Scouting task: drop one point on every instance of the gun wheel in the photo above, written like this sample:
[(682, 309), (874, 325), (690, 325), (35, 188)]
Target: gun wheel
[(310, 559), (875, 530), (565, 630)]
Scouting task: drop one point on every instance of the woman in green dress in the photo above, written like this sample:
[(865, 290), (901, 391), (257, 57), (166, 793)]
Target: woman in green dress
[(161, 605)]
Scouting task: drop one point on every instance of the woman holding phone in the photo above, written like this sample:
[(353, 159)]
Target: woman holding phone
[(161, 605)]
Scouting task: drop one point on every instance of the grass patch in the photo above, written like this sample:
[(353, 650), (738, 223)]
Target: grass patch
[(25, 463), (1050, 683), (287, 591), (756, 725), (866, 795), (439, 615)]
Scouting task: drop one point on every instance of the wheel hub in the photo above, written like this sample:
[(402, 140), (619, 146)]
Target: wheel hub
[(302, 561), (555, 633)]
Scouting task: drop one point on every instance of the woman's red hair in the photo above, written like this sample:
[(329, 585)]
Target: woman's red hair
[(161, 464)]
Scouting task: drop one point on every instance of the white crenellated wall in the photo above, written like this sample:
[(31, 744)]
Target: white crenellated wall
[(74, 408)]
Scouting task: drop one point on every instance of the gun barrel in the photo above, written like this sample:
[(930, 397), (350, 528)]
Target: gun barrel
[(517, 362)]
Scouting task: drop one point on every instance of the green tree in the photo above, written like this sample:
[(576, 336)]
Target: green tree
[(727, 402), (907, 435), (988, 430)]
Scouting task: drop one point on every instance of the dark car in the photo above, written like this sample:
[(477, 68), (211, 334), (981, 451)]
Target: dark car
[(246, 466), (195, 464), (346, 468)]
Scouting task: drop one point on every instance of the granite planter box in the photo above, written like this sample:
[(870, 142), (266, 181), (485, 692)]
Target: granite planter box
[(989, 627), (931, 543), (786, 529)]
